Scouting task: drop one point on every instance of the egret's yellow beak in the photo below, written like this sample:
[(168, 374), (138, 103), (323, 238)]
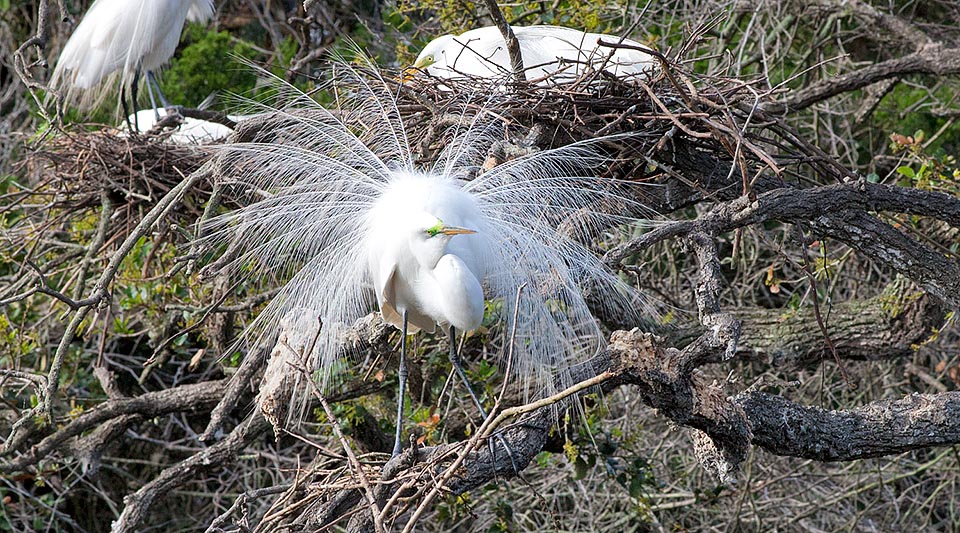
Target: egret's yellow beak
[(408, 74), (453, 230)]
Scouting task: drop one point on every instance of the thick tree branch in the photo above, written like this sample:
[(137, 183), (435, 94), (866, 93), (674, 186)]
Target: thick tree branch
[(830, 211), (198, 397), (884, 427), (888, 326), (933, 59), (788, 203)]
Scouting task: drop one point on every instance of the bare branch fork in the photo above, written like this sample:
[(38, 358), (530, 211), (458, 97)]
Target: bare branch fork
[(99, 294), (22, 67), (513, 44)]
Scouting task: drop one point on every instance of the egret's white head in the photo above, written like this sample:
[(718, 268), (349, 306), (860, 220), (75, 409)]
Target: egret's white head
[(431, 54), (429, 237)]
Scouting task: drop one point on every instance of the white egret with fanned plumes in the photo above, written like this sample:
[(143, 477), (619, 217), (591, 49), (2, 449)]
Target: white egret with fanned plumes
[(345, 214), (117, 41), (551, 54)]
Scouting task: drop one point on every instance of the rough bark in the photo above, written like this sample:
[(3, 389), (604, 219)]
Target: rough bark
[(879, 428), (886, 327)]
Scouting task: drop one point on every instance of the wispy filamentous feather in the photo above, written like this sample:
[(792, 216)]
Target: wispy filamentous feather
[(327, 179)]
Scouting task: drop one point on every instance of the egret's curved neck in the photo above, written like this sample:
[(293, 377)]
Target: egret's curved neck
[(428, 252)]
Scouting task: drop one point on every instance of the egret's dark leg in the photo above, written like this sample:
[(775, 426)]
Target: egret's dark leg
[(455, 361), (403, 385), (152, 78), (133, 100), (126, 109)]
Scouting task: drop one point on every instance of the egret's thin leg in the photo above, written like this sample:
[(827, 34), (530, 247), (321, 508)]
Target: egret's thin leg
[(455, 361), (152, 78), (134, 89), (126, 108), (153, 102), (403, 385)]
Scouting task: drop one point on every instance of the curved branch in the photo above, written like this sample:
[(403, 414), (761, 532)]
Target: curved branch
[(137, 504), (788, 204), (938, 274), (930, 59), (829, 211), (186, 398)]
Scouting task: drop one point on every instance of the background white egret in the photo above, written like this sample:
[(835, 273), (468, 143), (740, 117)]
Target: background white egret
[(117, 40), (190, 130), (566, 53), (344, 212)]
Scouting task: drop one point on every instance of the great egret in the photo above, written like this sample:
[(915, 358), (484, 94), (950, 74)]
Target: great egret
[(121, 39), (190, 130), (345, 214), (421, 278), (563, 54)]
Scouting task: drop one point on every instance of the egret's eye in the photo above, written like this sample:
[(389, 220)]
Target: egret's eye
[(434, 230)]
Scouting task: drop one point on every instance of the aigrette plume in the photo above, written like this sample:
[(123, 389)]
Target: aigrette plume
[(328, 182)]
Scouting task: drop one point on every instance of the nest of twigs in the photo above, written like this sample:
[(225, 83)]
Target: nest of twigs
[(669, 111), (74, 168)]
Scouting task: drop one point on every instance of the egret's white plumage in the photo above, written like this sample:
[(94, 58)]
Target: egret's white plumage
[(190, 130), (115, 38), (565, 53), (347, 217), (434, 277)]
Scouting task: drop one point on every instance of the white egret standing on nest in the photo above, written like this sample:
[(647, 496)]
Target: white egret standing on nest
[(344, 212), (564, 54), (122, 39)]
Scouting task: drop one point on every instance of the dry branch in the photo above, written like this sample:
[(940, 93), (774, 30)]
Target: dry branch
[(884, 427), (196, 398), (933, 59)]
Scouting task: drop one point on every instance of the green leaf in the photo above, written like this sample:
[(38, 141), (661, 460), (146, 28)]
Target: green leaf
[(906, 171)]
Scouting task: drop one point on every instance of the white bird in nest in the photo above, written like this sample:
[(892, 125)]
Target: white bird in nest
[(551, 54), (347, 217), (189, 131), (117, 41)]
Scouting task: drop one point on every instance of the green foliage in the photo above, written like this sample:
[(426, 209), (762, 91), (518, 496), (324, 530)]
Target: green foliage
[(905, 109), (208, 63), (927, 167)]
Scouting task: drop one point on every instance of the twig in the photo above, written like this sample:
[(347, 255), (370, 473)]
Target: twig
[(355, 465), (513, 45), (814, 290), (22, 68)]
